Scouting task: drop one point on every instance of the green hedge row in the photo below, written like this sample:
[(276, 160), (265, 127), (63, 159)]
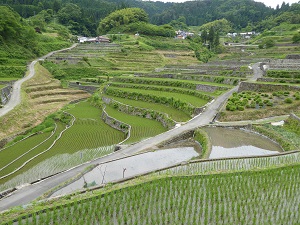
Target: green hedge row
[(145, 113), (283, 74), (177, 104), (11, 71), (166, 89), (213, 79), (172, 83)]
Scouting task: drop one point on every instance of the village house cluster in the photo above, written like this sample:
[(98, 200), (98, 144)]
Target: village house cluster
[(180, 34), (99, 39), (245, 35)]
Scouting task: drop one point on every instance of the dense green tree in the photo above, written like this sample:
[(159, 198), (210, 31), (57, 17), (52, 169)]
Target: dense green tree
[(122, 17), (41, 19), (70, 12), (204, 36), (10, 25), (56, 5), (211, 36), (221, 26), (296, 38), (267, 43), (179, 24)]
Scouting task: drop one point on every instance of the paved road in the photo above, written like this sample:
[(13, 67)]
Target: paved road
[(16, 92), (257, 72), (31, 192)]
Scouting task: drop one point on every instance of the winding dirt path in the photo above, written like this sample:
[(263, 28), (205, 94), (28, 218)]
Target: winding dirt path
[(16, 92)]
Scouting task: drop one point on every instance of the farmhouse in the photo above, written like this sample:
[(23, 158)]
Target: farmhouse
[(93, 39)]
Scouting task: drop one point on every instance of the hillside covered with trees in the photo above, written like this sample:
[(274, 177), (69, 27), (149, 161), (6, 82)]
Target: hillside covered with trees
[(83, 16)]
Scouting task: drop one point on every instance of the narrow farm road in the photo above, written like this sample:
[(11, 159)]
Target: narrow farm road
[(16, 92), (28, 193)]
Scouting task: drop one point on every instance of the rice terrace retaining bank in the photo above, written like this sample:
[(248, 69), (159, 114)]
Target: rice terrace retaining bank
[(5, 94)]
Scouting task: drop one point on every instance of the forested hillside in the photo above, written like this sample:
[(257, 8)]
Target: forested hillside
[(86, 14)]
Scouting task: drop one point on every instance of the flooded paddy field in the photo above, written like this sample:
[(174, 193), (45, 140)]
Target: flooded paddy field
[(130, 166), (228, 143)]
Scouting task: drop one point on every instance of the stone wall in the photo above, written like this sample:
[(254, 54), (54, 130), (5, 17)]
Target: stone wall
[(245, 86), (142, 112), (183, 136), (5, 94), (87, 88), (208, 88), (293, 57), (114, 122), (192, 76), (199, 110), (279, 80), (295, 117)]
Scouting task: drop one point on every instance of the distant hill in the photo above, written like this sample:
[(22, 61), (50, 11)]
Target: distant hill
[(240, 13)]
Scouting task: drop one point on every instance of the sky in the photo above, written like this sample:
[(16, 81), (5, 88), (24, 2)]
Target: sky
[(272, 3)]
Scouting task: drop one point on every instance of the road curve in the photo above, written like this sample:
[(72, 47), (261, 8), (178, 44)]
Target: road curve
[(31, 192), (28, 193), (16, 92)]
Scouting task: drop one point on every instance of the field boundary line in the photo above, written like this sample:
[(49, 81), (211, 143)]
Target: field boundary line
[(113, 100), (254, 122), (31, 148), (54, 142), (129, 129), (18, 141)]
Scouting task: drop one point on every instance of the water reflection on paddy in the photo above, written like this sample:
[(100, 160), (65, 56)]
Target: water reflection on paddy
[(131, 166), (228, 142)]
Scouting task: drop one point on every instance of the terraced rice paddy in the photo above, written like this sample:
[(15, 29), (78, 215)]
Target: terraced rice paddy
[(171, 82), (202, 167), (141, 128), (38, 144), (88, 131), (197, 102), (54, 165), (262, 197), (173, 113)]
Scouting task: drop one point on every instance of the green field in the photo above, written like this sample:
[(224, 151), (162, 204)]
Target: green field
[(141, 128), (7, 78), (32, 147), (89, 131), (258, 197), (162, 81), (12, 152), (173, 113), (197, 102), (2, 86), (204, 95)]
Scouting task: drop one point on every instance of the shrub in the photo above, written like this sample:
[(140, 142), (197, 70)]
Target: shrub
[(240, 108), (288, 100)]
